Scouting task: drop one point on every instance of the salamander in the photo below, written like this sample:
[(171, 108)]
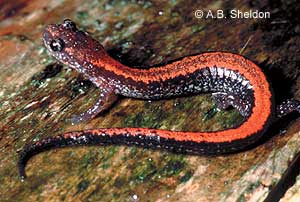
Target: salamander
[(232, 79)]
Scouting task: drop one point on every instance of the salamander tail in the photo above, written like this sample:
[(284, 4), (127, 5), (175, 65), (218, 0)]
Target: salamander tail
[(59, 141)]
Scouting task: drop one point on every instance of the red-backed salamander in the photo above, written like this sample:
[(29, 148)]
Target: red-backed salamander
[(232, 79)]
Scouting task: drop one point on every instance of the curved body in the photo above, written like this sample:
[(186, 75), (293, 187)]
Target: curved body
[(233, 80)]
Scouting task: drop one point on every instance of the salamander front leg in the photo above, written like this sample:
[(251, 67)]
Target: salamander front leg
[(287, 107), (225, 100), (105, 100)]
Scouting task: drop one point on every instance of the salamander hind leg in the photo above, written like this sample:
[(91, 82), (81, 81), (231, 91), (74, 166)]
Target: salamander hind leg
[(287, 107), (104, 101), (225, 100)]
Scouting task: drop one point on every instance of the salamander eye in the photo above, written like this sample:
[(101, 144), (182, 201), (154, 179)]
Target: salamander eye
[(69, 24), (57, 45)]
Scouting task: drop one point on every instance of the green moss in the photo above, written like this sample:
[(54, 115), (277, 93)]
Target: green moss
[(197, 28), (186, 176), (82, 15), (82, 185), (80, 87), (144, 171), (142, 120), (241, 199), (105, 166), (233, 118), (87, 160), (173, 167), (133, 151), (100, 26), (210, 114)]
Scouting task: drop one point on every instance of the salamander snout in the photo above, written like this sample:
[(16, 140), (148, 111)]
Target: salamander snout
[(69, 24), (57, 37), (70, 45)]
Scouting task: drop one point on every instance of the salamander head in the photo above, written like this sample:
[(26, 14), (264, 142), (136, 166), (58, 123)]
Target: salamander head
[(71, 46)]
